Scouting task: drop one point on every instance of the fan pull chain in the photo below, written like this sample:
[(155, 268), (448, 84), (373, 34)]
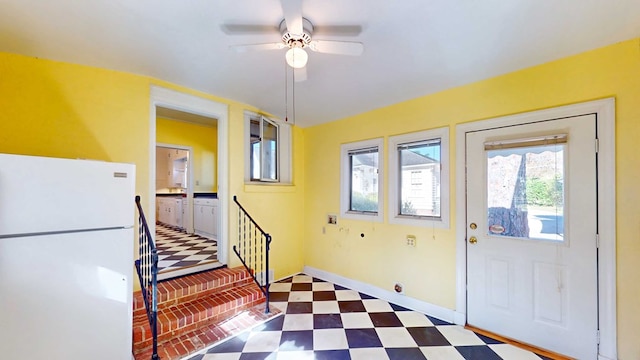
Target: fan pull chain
[(286, 93), (293, 96)]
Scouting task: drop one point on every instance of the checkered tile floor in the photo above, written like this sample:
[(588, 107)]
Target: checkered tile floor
[(326, 321), (177, 249)]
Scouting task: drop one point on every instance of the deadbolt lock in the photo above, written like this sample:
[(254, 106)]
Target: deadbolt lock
[(473, 226)]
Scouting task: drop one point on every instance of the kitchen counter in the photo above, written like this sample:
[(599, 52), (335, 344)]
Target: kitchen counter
[(171, 195), (210, 195)]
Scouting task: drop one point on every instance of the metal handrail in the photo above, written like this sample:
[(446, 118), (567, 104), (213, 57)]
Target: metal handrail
[(147, 268), (252, 248)]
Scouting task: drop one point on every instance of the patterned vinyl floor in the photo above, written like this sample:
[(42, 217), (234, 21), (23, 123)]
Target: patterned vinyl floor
[(324, 321), (177, 249)]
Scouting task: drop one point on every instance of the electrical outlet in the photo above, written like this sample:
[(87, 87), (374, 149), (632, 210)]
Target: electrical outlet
[(398, 288), (411, 240)]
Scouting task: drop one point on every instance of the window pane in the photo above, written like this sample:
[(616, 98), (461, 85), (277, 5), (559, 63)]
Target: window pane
[(255, 161), (364, 182), (269, 156), (525, 192), (254, 148), (420, 179)]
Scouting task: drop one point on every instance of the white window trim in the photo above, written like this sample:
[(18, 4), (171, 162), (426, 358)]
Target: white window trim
[(345, 181), (394, 168), (284, 161)]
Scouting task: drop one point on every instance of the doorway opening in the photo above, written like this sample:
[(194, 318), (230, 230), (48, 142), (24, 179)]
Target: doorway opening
[(182, 247), (187, 179)]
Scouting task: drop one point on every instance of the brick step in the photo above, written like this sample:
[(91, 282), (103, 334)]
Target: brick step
[(185, 317), (188, 343), (187, 288)]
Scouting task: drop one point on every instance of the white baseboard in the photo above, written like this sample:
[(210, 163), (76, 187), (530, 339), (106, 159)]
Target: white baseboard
[(601, 357), (459, 318), (436, 311)]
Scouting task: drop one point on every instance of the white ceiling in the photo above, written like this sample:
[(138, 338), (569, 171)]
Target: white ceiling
[(412, 47)]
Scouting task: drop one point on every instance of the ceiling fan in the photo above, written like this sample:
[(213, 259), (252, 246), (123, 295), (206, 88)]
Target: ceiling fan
[(296, 35)]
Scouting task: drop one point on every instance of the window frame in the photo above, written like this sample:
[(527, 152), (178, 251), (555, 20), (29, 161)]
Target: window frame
[(395, 170), (346, 176), (283, 151)]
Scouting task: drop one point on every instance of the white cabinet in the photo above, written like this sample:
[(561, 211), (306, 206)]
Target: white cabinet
[(205, 217), (176, 207), (177, 166), (171, 168), (185, 214), (169, 211), (162, 168)]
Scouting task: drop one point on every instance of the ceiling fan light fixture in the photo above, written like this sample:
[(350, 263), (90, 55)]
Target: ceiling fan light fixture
[(296, 57)]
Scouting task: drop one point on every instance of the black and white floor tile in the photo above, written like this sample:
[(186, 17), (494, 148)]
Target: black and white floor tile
[(325, 321), (177, 249)]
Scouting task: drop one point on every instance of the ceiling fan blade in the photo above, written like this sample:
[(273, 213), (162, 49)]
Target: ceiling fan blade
[(337, 30), (337, 47), (247, 29), (257, 47), (300, 74), (292, 10)]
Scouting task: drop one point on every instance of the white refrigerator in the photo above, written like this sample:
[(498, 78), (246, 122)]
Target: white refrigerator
[(66, 258)]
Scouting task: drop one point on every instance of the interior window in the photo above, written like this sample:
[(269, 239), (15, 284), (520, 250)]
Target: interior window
[(264, 150)]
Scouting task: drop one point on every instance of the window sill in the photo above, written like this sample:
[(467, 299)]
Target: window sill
[(375, 217), (416, 221)]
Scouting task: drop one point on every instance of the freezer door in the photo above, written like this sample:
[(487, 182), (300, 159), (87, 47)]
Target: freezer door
[(40, 195), (67, 296)]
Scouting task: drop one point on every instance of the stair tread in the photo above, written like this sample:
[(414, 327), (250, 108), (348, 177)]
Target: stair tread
[(203, 303), (193, 284), (189, 305), (197, 312), (196, 340)]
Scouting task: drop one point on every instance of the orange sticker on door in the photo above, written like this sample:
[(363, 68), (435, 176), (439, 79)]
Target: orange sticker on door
[(496, 229)]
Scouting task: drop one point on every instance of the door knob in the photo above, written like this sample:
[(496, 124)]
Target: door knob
[(473, 240)]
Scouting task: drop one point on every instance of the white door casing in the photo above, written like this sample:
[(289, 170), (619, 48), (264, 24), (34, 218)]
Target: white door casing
[(531, 234), (604, 111), (172, 99)]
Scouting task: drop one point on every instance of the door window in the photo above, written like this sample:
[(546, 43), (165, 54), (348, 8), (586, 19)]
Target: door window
[(525, 188)]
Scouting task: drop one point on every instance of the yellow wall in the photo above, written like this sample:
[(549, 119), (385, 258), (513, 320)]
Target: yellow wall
[(64, 110), (58, 109), (279, 209), (204, 141), (428, 271)]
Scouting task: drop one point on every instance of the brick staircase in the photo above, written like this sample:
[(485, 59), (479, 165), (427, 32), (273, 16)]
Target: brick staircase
[(198, 310)]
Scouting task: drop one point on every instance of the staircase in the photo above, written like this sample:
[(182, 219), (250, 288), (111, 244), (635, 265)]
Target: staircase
[(178, 317), (198, 310)]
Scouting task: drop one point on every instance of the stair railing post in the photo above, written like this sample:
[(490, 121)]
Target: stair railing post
[(266, 273), (248, 231), (147, 268)]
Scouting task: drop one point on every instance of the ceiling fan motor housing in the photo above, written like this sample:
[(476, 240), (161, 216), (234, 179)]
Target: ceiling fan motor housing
[(297, 40)]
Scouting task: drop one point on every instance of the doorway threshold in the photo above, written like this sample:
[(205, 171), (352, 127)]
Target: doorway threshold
[(186, 270), (546, 354)]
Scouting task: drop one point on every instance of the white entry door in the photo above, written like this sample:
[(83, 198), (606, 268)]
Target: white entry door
[(531, 234)]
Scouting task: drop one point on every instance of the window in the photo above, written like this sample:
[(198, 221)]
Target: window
[(526, 188), (361, 180), (268, 155), (419, 178)]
